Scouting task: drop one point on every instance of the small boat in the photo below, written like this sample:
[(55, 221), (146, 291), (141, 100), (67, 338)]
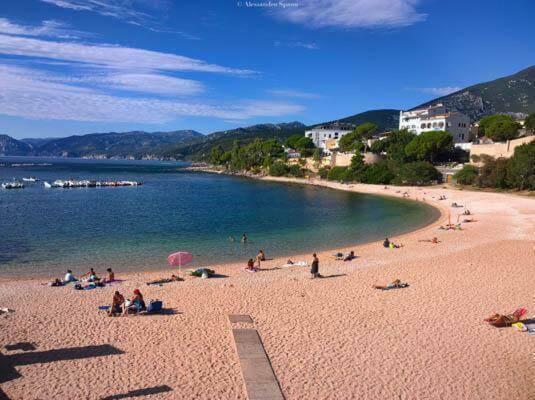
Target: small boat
[(12, 185), (47, 185), (30, 179)]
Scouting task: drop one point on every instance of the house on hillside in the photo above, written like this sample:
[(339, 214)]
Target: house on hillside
[(436, 118), (326, 137)]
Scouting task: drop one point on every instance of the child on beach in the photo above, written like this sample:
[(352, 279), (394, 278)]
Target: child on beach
[(111, 276), (250, 266)]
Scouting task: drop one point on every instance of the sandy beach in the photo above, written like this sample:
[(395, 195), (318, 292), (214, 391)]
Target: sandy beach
[(330, 338)]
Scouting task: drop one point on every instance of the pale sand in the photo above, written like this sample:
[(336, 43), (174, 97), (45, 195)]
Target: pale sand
[(333, 338)]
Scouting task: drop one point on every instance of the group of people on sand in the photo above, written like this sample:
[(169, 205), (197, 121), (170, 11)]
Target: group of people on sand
[(89, 277), (254, 265), (122, 306), (387, 243)]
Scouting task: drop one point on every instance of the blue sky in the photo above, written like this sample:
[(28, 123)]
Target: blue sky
[(80, 66)]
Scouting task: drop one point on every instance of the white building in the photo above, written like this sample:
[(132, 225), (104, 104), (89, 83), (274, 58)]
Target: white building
[(326, 137), (436, 118)]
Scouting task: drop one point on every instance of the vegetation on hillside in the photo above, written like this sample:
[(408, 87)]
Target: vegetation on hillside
[(517, 172)]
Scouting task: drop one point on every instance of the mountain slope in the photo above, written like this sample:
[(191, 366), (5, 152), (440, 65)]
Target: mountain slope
[(511, 94), (199, 148), (13, 147), (385, 119), (113, 144)]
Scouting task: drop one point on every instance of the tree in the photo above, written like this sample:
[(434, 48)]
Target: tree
[(291, 142), (490, 120), (215, 155), (316, 156), (278, 168), (357, 169), (529, 123), (351, 142), (418, 173), (378, 174), (296, 170), (467, 175), (337, 174), (428, 146), (394, 145), (502, 130), (521, 168), (493, 173), (367, 130)]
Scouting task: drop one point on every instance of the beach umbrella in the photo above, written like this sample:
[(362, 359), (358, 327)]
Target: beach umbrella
[(179, 259)]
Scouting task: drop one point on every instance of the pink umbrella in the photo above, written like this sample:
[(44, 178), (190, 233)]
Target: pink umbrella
[(179, 259)]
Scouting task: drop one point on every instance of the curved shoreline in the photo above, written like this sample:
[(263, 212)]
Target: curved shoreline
[(427, 341), (376, 191)]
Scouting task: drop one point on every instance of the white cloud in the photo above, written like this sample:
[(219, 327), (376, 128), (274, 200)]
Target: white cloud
[(108, 55), (304, 45), (47, 28), (35, 94), (294, 93), (112, 8), (439, 91), (353, 13)]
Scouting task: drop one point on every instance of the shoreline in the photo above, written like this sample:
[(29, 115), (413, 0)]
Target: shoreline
[(427, 341), (442, 210)]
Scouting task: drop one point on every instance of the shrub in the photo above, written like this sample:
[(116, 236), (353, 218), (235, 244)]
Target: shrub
[(296, 171), (418, 173), (323, 172), (467, 175), (278, 168), (378, 174), (337, 174), (493, 173), (521, 168)]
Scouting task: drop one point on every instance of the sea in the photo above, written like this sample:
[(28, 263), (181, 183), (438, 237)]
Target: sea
[(44, 231)]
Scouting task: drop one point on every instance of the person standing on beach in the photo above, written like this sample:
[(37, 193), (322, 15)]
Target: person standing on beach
[(260, 257), (314, 270)]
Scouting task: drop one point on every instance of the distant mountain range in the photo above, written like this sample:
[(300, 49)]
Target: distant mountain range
[(511, 94), (225, 139)]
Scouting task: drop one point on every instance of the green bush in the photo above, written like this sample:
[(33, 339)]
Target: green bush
[(323, 172), (278, 168), (467, 175), (296, 170), (521, 168), (418, 173), (493, 173), (378, 174), (337, 174)]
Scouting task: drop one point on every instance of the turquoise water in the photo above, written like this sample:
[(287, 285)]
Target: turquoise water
[(43, 231)]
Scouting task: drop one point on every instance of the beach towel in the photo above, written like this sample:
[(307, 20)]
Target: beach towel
[(296, 264), (104, 308), (530, 326)]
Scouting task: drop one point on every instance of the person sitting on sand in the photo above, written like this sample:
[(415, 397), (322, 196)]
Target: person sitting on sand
[(499, 320), (315, 267), (56, 282), (350, 256), (116, 304), (91, 274), (466, 212), (391, 245), (290, 262), (111, 276), (386, 243), (397, 284), (250, 266), (137, 303), (69, 277), (174, 278)]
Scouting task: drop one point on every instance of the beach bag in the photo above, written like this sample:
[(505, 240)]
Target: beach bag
[(155, 306)]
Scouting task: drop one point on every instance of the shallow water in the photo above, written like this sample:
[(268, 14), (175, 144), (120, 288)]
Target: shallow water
[(43, 231)]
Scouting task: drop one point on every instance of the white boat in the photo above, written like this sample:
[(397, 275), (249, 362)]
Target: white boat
[(12, 185), (47, 185), (30, 179)]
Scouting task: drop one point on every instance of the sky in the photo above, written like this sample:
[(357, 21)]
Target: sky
[(81, 66)]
